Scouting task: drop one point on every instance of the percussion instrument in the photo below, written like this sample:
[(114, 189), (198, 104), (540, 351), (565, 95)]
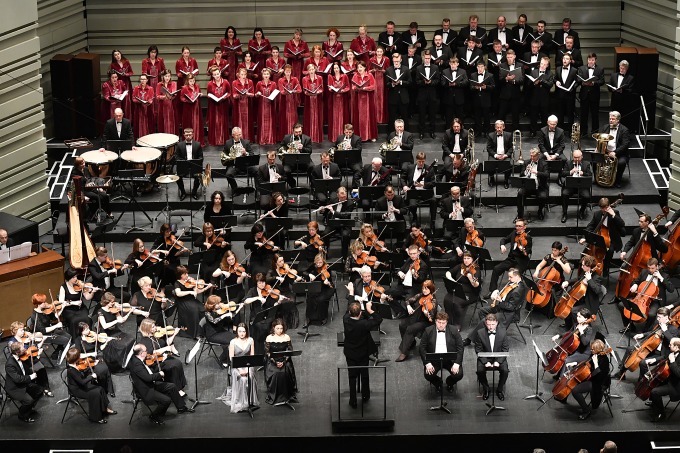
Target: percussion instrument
[(167, 179), (146, 158), (161, 141), (98, 161)]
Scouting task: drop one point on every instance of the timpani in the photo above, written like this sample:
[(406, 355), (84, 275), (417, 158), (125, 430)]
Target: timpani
[(164, 142), (99, 162)]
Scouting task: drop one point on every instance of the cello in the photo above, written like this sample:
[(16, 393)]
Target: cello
[(643, 299), (672, 256), (567, 345), (649, 345), (569, 298), (653, 378), (570, 379), (637, 260), (547, 278), (602, 230)]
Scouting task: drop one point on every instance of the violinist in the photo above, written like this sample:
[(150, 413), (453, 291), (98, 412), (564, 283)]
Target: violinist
[(422, 309), (654, 275), (45, 319), (468, 235), (370, 240), (71, 295), (264, 300), (29, 340), (317, 306), (88, 346), (365, 289), (491, 337), (341, 208), (151, 302), (86, 384), (665, 329), (391, 205), (231, 275), (442, 338), (189, 309), (411, 275), (610, 218), (175, 248), (594, 293), (658, 247), (282, 276), (103, 271), (599, 374), (468, 275), (20, 383), (312, 244), (557, 260), (536, 169), (419, 177), (456, 206), (111, 317), (141, 262), (162, 346), (519, 242), (671, 387), (214, 245), (260, 249), (219, 327), (417, 237)]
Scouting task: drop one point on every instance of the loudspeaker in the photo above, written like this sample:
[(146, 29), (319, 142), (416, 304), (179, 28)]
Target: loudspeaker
[(86, 75), (64, 116), (647, 79), (87, 114), (61, 74)]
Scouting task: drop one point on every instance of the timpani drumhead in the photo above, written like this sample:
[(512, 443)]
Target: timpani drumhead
[(141, 155), (159, 140), (96, 157)]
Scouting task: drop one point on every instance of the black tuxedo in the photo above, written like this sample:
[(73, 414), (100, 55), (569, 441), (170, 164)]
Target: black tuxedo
[(406, 41), (492, 143), (576, 57), (481, 99), (530, 66), (561, 34), (470, 66), (345, 213), (397, 202), (231, 168), (493, 63), (453, 93), (428, 180), (383, 40), (521, 44), (449, 142), (317, 173), (516, 258), (615, 225), (566, 99), (483, 344), (359, 345), (589, 96), (407, 140), (196, 154), (152, 389), (546, 39), (111, 131), (443, 60), (450, 39), (411, 65), (464, 35), (567, 192), (446, 204), (493, 35), (20, 387), (539, 95), (99, 277), (398, 95), (622, 141), (671, 388), (595, 291), (622, 100), (657, 244), (262, 177), (541, 190), (10, 243), (510, 96), (558, 144), (354, 141), (454, 343), (304, 139), (428, 99), (365, 176)]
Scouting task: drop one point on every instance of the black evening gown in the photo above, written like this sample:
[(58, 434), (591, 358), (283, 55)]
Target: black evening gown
[(281, 382)]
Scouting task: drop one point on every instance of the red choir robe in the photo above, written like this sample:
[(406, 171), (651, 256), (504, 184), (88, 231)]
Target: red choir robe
[(312, 114), (232, 53), (223, 65), (378, 71), (288, 104), (191, 111), (218, 113), (110, 103), (320, 65), (242, 109), (296, 55), (362, 48), (266, 113), (350, 70), (275, 67), (333, 52), (363, 108), (152, 71), (182, 67), (124, 72), (260, 51), (338, 105), (252, 71), (143, 121), (167, 108)]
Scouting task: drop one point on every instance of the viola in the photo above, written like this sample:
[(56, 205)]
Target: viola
[(30, 353), (420, 240), (92, 337), (154, 358), (473, 238), (109, 264), (653, 378), (646, 294), (602, 230), (571, 297), (317, 242), (323, 272), (365, 258), (81, 286), (471, 269), (191, 283), (567, 345), (238, 270), (274, 293), (167, 331), (570, 379), (415, 266), (376, 290), (53, 307), (522, 241), (84, 363), (287, 271), (158, 296), (146, 255), (373, 242), (121, 308), (175, 243), (547, 278), (228, 307), (267, 244)]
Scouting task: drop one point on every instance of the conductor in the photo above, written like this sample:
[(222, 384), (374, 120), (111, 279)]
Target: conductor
[(359, 345)]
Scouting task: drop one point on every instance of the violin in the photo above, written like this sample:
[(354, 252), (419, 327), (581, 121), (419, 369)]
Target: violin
[(415, 266), (473, 238), (92, 337), (146, 255), (570, 379), (81, 286), (373, 242), (365, 258), (521, 241), (653, 378), (121, 308), (109, 264), (167, 331), (154, 358), (228, 307), (547, 278), (191, 283), (85, 362), (274, 293), (30, 353), (238, 270), (471, 269), (571, 297), (420, 240), (427, 304), (267, 244), (323, 272), (158, 296), (376, 290), (317, 242), (287, 271), (53, 307)]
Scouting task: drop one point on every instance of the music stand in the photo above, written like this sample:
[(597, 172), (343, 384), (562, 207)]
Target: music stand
[(190, 358), (118, 146), (493, 355), (578, 183), (479, 253), (277, 223), (337, 224), (540, 359), (421, 195), (244, 163), (397, 159), (191, 168), (132, 200), (346, 159), (454, 226), (633, 309), (248, 361), (525, 184), (431, 357), (385, 312), (326, 186), (443, 189), (289, 354), (294, 161), (395, 230), (495, 167), (393, 259), (532, 287), (593, 157), (555, 166), (370, 194), (454, 287), (307, 288), (224, 221)]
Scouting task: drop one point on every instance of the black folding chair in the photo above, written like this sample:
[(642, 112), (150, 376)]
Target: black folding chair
[(72, 399)]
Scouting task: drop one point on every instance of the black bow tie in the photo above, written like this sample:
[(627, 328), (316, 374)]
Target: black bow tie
[(541, 72), (119, 122), (613, 128), (441, 331), (492, 332), (499, 135), (272, 167), (502, 30), (325, 167), (188, 143), (520, 28), (473, 30), (439, 48)]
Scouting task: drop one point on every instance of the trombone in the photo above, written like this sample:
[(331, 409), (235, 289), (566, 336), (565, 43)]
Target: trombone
[(517, 147)]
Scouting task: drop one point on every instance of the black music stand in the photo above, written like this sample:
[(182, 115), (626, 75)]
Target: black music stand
[(337, 224), (191, 168), (481, 254), (526, 184), (244, 163), (431, 357), (633, 310), (118, 146), (248, 361), (494, 168), (273, 224), (295, 161), (190, 356), (132, 200), (398, 159), (540, 359), (532, 286), (454, 286), (443, 189), (290, 355), (393, 259), (421, 196), (224, 221), (593, 157), (326, 186), (347, 159), (385, 312), (493, 355), (555, 166), (393, 230), (596, 240), (578, 183), (454, 226), (307, 288), (370, 194)]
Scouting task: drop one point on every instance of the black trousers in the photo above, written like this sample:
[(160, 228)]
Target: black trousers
[(509, 106), (451, 379), (354, 374), (427, 106), (410, 327), (162, 395), (27, 398), (566, 193), (397, 111), (541, 195), (500, 268), (590, 107), (503, 372), (657, 397)]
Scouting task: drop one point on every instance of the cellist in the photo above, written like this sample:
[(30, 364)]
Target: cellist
[(657, 276), (610, 218), (561, 265), (653, 238), (672, 385), (667, 331), (594, 293), (586, 334)]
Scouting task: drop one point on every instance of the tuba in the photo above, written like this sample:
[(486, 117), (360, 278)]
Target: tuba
[(237, 150), (517, 146), (289, 149), (575, 136), (605, 174), (469, 153), (389, 146)]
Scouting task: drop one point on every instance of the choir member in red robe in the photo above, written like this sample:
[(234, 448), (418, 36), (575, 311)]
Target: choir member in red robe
[(260, 48), (218, 61), (363, 45), (312, 89), (266, 109), (363, 107), (338, 101), (218, 108), (242, 93), (349, 68), (184, 66), (275, 64), (231, 51), (318, 60), (112, 90), (192, 117), (167, 103), (378, 66), (252, 69), (122, 67), (143, 95), (296, 50), (332, 49), (290, 89), (152, 66)]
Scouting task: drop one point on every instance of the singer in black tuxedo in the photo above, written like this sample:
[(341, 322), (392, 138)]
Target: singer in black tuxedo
[(565, 79), (483, 343), (359, 345), (398, 81), (427, 80), (453, 343), (454, 82), (589, 95), (182, 154)]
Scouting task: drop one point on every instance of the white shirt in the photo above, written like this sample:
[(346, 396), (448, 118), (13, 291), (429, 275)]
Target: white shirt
[(492, 340), (416, 174), (390, 217), (273, 173), (501, 37), (107, 279), (119, 127), (591, 71), (551, 137), (325, 170), (500, 149), (521, 34), (619, 81), (445, 36), (390, 39), (534, 59), (565, 74), (468, 55), (456, 141), (427, 72), (410, 62), (414, 38), (190, 151), (397, 72), (440, 345), (611, 144)]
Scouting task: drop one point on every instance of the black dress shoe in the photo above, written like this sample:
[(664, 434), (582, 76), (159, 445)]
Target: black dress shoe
[(112, 412), (353, 403), (101, 422), (658, 418), (564, 218), (506, 185), (617, 185), (156, 420), (584, 415), (422, 136), (112, 394), (194, 196), (467, 342), (500, 395), (185, 410), (432, 135), (485, 393), (27, 419), (323, 323), (365, 398), (541, 216), (582, 214), (449, 387), (306, 324), (182, 196)]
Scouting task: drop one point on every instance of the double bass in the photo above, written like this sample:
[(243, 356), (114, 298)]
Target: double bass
[(602, 230), (637, 260), (547, 278)]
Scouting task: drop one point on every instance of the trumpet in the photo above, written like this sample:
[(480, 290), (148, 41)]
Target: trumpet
[(469, 154), (517, 146), (575, 136), (289, 149)]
